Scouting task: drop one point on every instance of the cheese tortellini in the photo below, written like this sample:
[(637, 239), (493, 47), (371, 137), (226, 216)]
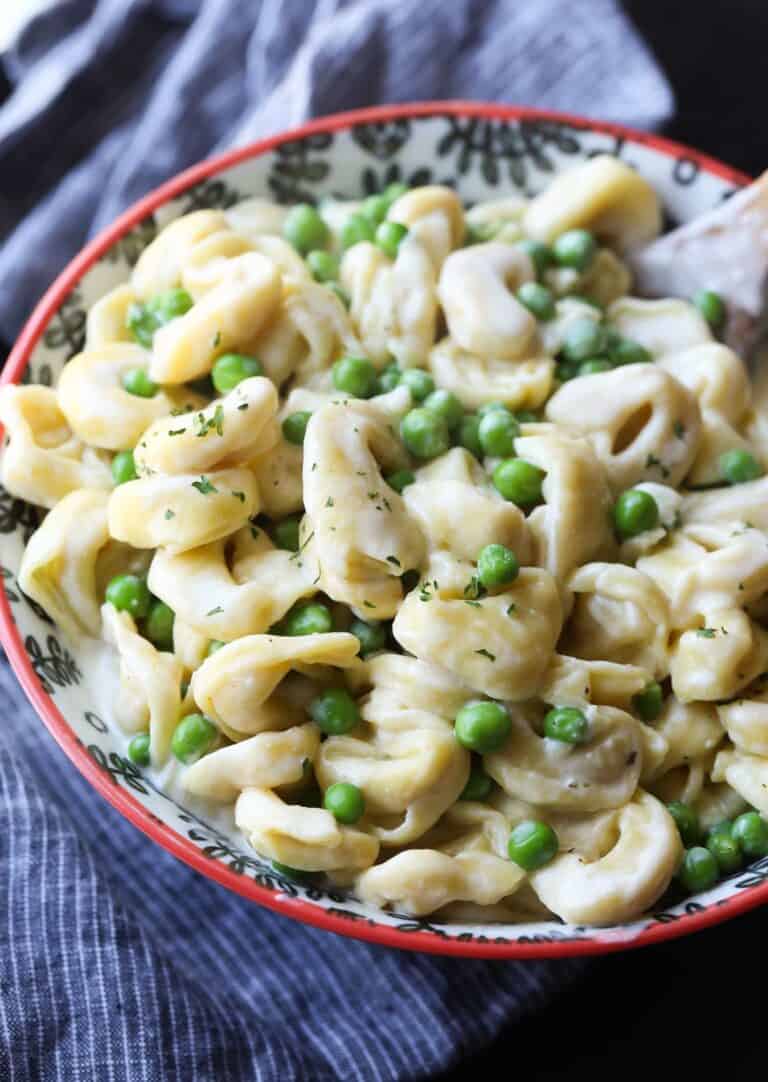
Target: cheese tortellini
[(418, 542)]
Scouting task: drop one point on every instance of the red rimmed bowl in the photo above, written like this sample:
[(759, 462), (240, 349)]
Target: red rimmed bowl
[(485, 151)]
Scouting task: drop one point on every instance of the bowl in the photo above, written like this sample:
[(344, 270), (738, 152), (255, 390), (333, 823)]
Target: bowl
[(484, 151)]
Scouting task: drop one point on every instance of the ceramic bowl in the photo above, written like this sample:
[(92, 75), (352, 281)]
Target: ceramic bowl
[(485, 151)]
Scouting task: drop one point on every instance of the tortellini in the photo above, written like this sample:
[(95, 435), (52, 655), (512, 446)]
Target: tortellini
[(435, 217), (264, 761), (476, 379)]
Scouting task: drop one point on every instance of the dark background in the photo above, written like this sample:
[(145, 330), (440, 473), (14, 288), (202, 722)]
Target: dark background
[(690, 1008)]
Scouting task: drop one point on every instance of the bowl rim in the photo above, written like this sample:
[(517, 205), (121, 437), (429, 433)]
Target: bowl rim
[(423, 940)]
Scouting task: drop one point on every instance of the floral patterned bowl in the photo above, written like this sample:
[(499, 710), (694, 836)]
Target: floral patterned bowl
[(484, 151)]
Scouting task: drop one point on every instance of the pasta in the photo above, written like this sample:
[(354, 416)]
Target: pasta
[(422, 545)]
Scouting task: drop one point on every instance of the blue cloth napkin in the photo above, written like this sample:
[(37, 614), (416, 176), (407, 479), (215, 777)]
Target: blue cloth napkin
[(116, 961)]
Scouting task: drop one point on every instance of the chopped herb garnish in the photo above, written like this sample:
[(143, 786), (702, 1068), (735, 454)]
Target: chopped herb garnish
[(369, 604), (213, 612), (394, 560), (329, 502), (486, 653), (679, 429), (511, 609), (474, 588), (169, 513), (706, 632), (239, 496), (243, 406), (204, 486), (652, 461), (474, 604), (216, 422), (176, 431)]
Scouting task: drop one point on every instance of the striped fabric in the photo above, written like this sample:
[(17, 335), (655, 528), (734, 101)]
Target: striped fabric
[(117, 963)]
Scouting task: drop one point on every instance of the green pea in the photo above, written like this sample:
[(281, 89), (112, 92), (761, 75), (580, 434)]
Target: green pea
[(307, 618), (724, 848), (123, 467), (345, 802), (566, 371), (634, 512), (296, 874), (446, 405), (129, 593), (389, 237), (532, 844), (136, 381), (627, 351), (482, 726), (355, 376), (214, 646), (576, 248), (469, 434), (540, 255), (372, 637), (686, 820), (488, 407), (304, 228), (582, 298), (527, 417), (738, 466), (158, 626), (497, 433), (334, 711), (393, 191), (193, 737), (583, 339), (295, 426), (497, 565), (647, 703), (751, 832), (419, 383), (537, 299), (519, 481), (699, 870), (389, 378), (425, 433), (323, 265), (567, 724), (711, 306), (357, 228), (400, 479), (375, 208), (593, 367), (285, 533), (479, 784), (232, 368), (143, 320), (138, 749)]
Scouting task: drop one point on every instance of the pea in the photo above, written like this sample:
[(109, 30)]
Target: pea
[(482, 726), (567, 724), (469, 434), (345, 802), (213, 647), (323, 265), (446, 405), (532, 844), (143, 320), (389, 378), (393, 191), (583, 339), (566, 371), (129, 593), (296, 874), (158, 626), (425, 433), (138, 749), (634, 512), (647, 703), (136, 381), (389, 237), (304, 228), (540, 255), (400, 479), (738, 466), (334, 711), (488, 407), (497, 565), (193, 737), (375, 208), (232, 368), (372, 637), (527, 417), (686, 820), (751, 832), (123, 467), (497, 433), (355, 376), (711, 306), (627, 351), (286, 533), (576, 248), (537, 299), (308, 618), (357, 228), (479, 784), (295, 426), (724, 848), (519, 481), (419, 383), (699, 869), (593, 367)]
